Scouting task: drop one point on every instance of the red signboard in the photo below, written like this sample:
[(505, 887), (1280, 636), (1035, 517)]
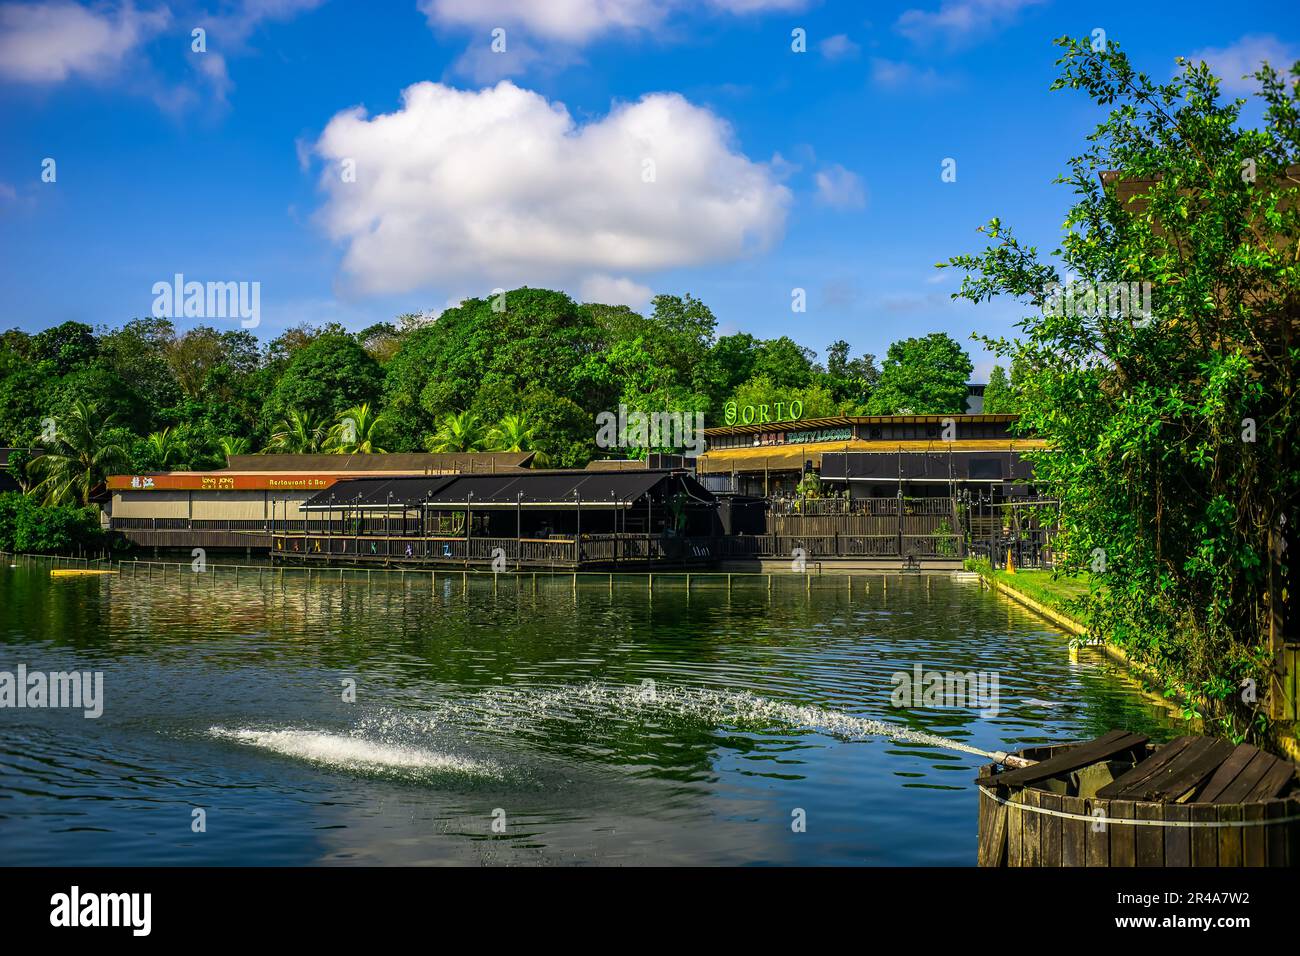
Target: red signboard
[(219, 481)]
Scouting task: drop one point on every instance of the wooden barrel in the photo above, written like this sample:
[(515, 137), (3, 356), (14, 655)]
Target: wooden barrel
[(1029, 826)]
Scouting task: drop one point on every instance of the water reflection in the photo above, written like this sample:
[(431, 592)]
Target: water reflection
[(606, 724)]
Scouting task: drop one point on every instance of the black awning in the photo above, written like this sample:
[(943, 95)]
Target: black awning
[(371, 492), (528, 489)]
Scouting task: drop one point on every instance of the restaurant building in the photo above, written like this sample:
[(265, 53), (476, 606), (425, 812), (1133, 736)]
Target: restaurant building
[(238, 506), (912, 456)]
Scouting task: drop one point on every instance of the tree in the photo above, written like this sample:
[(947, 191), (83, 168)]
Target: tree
[(998, 399), (357, 431), (168, 450), (785, 362), (137, 353), (817, 400), (326, 376), (563, 434), (231, 445), (1171, 417), (29, 528), (21, 389), (79, 458), (300, 432), (922, 376), (850, 379), (65, 347), (512, 433), (734, 356), (381, 341), (194, 356), (459, 432)]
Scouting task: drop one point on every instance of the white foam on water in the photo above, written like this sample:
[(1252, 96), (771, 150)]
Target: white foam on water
[(509, 710), (343, 752)]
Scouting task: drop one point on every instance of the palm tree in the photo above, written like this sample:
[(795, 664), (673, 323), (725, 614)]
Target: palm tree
[(514, 433), (459, 432), (80, 457), (300, 432), (358, 431), (231, 445), (169, 449)]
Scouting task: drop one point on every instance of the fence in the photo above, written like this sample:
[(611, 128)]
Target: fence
[(869, 527), (1024, 529)]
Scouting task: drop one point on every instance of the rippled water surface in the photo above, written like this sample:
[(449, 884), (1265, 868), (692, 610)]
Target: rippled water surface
[(519, 722)]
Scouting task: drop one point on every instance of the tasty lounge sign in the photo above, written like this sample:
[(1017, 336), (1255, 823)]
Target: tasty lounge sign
[(734, 414)]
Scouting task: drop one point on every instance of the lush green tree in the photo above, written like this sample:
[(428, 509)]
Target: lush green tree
[(94, 384), (512, 433), (850, 379), (734, 357), (22, 386), (564, 434), (381, 341), (326, 376), (79, 458), (922, 376), (818, 402), (137, 353), (64, 347), (485, 349), (281, 350), (30, 528), (301, 432), (459, 432), (1173, 422), (167, 450), (358, 430), (998, 399), (785, 362)]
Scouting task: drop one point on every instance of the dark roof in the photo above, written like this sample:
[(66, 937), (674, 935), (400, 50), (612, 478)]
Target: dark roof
[(415, 464), (527, 488)]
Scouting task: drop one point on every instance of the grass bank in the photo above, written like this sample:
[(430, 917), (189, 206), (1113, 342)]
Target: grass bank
[(1058, 595)]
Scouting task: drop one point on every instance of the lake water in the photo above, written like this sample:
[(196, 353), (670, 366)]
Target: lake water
[(520, 723)]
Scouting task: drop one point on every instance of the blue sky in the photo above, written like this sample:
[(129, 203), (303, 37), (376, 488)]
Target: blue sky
[(770, 170)]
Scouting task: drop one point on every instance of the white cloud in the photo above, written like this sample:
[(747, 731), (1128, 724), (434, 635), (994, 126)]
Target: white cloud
[(573, 21), (1234, 63), (839, 47), (959, 21), (840, 188), (900, 75), (499, 187), (758, 6), (53, 42), (608, 290), (50, 42), (578, 21)]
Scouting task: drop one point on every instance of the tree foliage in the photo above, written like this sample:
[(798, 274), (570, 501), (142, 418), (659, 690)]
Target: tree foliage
[(1173, 432), (922, 376)]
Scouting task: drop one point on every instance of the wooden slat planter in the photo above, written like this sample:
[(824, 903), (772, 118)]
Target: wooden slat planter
[(1026, 820)]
